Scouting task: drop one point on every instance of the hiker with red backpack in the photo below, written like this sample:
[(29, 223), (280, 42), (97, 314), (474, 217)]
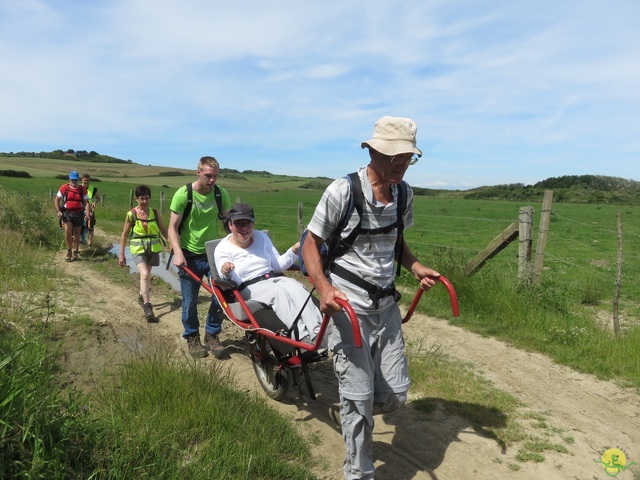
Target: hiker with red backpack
[(72, 206), (143, 226), (361, 269)]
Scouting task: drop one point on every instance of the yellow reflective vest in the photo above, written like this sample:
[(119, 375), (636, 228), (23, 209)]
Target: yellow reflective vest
[(145, 235)]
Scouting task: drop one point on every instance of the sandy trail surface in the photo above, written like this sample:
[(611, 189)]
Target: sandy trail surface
[(408, 444)]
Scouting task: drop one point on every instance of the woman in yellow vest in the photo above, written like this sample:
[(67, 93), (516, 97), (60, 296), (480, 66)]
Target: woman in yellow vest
[(143, 227)]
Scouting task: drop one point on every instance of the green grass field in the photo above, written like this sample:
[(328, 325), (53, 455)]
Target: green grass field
[(48, 435), (581, 251)]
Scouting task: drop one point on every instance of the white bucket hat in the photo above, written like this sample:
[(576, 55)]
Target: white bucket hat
[(393, 136)]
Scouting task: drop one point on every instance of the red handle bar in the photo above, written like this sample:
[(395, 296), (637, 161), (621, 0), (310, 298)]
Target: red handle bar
[(346, 306), (353, 318), (452, 296)]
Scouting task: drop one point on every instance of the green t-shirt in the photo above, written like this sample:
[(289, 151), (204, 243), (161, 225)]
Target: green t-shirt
[(202, 223)]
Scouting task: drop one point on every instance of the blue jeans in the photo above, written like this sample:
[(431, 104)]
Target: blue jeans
[(189, 289)]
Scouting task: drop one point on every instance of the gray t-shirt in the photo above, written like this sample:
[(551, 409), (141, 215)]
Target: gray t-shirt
[(372, 256)]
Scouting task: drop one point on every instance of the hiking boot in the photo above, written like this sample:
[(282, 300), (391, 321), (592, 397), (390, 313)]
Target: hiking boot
[(140, 300), (212, 342), (334, 414), (195, 347), (75, 255), (68, 256), (148, 312)]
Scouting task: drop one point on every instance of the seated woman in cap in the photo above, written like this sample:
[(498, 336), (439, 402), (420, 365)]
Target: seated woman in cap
[(249, 258)]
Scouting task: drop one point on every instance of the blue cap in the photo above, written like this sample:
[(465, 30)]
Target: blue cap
[(74, 176)]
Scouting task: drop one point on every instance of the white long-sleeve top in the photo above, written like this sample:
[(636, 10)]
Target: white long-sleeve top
[(260, 258)]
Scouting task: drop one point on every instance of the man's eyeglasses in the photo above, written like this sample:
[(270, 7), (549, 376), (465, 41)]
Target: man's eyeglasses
[(242, 223), (412, 159)]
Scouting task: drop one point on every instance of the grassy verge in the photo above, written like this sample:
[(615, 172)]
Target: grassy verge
[(149, 419), (544, 318), (184, 421)]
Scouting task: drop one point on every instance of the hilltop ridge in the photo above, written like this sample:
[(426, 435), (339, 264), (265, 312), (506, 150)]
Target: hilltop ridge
[(567, 188)]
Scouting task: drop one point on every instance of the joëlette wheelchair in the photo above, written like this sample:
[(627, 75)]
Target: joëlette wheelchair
[(279, 358)]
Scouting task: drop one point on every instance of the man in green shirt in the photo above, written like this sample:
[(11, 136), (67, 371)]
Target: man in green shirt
[(187, 236), (89, 223)]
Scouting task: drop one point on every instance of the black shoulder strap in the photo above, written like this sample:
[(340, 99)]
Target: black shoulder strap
[(218, 195), (341, 245), (134, 216), (356, 202), (338, 246), (402, 204), (187, 208)]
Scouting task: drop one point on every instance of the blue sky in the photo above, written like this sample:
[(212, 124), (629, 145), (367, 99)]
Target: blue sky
[(502, 92)]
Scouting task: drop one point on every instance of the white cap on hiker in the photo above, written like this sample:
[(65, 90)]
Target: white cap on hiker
[(394, 136)]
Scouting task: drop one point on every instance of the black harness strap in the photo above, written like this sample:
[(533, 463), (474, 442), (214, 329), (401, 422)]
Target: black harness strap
[(266, 276), (344, 244), (375, 293)]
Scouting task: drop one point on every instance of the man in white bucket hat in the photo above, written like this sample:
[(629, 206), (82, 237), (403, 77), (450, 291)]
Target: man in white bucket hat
[(372, 379)]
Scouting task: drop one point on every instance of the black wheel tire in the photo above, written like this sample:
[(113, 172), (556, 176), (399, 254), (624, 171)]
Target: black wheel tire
[(274, 382)]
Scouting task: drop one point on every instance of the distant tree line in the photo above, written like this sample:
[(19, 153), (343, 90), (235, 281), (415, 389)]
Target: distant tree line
[(568, 188), (70, 154), (596, 182)]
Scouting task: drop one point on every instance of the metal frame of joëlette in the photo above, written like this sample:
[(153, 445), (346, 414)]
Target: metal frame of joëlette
[(252, 324)]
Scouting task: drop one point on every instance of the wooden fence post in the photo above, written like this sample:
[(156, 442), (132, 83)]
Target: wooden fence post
[(496, 246), (130, 199), (162, 201), (616, 296), (300, 225), (525, 242), (542, 235)]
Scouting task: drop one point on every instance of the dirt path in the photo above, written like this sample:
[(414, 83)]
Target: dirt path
[(408, 444)]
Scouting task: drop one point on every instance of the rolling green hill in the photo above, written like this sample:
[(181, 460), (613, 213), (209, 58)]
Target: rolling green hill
[(570, 188), (12, 165)]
